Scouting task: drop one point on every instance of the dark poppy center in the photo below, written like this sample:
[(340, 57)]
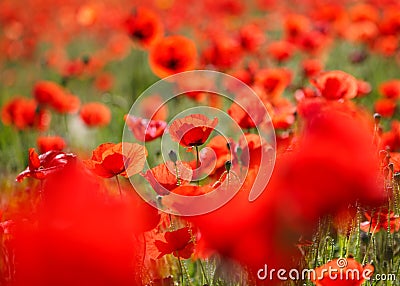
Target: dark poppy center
[(173, 63)]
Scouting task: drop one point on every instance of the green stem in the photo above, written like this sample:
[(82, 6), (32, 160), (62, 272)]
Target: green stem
[(197, 162), (204, 272), (119, 186)]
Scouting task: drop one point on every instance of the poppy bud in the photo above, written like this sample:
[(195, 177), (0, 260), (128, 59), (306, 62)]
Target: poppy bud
[(377, 118), (172, 156), (85, 59), (228, 165)]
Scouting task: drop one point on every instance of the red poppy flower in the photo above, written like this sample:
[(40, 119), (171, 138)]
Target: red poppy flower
[(178, 242), (95, 114), (224, 52), (336, 85), (251, 37), (66, 103), (363, 88), (104, 82), (49, 143), (109, 159), (385, 107), (41, 166), (218, 144), (45, 92), (364, 12), (353, 273), (283, 113), (163, 178), (192, 130), (243, 119), (51, 94), (273, 81), (145, 130), (253, 147), (172, 54), (81, 234), (296, 25), (390, 89), (381, 220), (144, 26), (24, 113), (280, 51), (311, 67), (147, 108), (386, 45)]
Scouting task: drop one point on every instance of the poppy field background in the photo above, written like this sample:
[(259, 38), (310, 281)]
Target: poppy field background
[(327, 73)]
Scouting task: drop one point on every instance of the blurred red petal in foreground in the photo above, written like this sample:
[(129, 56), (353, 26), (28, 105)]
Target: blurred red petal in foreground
[(80, 235), (325, 172)]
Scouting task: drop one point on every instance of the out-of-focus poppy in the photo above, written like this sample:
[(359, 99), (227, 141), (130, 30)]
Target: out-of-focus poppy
[(147, 108), (391, 139), (363, 88), (219, 144), (145, 130), (386, 45), (95, 114), (67, 103), (48, 143), (364, 12), (361, 32), (41, 166), (350, 273), (144, 26), (296, 25), (256, 110), (380, 220), (104, 82), (313, 42), (192, 130), (390, 89), (109, 159), (273, 81), (25, 113), (172, 54), (81, 234), (253, 147), (166, 177), (251, 37), (311, 67), (45, 92), (282, 112), (224, 52), (73, 68), (335, 85), (53, 95), (385, 107), (280, 51), (178, 242)]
